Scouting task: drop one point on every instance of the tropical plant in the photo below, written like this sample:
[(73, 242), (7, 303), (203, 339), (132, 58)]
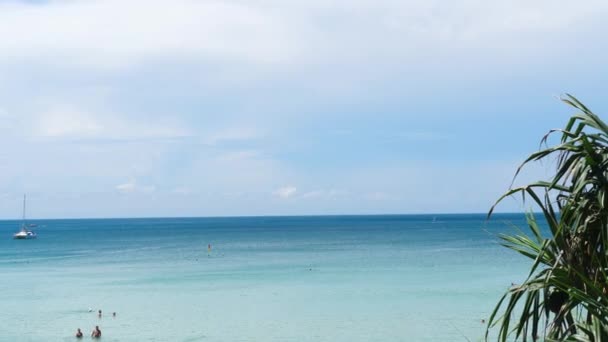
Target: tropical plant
[(565, 296)]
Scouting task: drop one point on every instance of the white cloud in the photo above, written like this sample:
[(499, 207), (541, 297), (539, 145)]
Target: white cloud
[(115, 33), (68, 123), (133, 187), (72, 123), (285, 192), (126, 187)]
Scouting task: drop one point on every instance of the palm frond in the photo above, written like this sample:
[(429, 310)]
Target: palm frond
[(567, 285)]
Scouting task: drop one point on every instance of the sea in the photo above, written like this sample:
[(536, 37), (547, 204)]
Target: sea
[(310, 278)]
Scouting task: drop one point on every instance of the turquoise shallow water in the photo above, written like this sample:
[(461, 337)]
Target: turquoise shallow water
[(331, 278)]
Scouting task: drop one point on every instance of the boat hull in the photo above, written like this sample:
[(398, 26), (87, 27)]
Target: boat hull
[(24, 236)]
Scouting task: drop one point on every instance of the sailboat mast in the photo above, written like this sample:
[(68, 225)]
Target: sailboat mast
[(23, 219)]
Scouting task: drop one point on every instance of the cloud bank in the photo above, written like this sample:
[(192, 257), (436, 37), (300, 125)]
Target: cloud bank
[(220, 107)]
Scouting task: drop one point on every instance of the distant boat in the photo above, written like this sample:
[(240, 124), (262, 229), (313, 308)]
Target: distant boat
[(435, 220), (24, 233)]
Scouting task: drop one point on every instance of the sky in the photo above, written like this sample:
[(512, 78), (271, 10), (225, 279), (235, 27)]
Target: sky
[(155, 108)]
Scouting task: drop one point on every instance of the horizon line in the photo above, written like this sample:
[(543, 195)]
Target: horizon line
[(260, 216)]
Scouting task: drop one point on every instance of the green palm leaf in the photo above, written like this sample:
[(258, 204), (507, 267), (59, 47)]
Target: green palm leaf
[(565, 296)]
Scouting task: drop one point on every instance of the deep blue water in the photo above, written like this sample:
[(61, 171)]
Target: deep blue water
[(89, 237)]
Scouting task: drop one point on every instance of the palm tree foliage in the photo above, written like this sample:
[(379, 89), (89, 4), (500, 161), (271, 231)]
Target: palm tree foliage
[(565, 296)]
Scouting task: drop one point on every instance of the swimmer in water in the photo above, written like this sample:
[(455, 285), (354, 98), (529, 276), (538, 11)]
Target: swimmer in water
[(78, 333), (99, 313), (96, 333)]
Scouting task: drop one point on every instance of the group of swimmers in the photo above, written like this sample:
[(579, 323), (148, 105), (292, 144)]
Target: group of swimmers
[(99, 313), (96, 333)]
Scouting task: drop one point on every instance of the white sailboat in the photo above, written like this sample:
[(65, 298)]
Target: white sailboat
[(24, 233)]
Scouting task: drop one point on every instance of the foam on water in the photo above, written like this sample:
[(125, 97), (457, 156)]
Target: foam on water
[(351, 278)]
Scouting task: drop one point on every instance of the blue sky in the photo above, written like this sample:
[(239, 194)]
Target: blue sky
[(197, 108)]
